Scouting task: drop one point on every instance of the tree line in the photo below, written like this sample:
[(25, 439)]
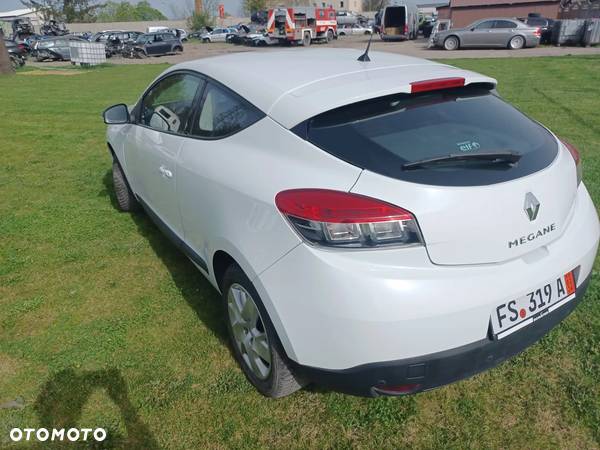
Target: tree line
[(72, 11)]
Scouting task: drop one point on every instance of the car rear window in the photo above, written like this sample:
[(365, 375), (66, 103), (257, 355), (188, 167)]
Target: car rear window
[(383, 134)]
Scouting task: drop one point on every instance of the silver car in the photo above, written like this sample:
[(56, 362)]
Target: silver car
[(494, 32)]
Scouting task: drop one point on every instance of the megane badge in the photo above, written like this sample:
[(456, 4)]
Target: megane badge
[(532, 206)]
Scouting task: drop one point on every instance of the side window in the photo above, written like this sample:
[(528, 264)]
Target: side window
[(168, 106), (504, 24), (484, 25), (223, 113)]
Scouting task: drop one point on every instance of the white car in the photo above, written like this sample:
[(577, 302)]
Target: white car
[(354, 29), (218, 35), (408, 235)]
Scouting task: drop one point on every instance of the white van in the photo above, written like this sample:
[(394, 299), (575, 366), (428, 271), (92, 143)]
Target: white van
[(398, 21), (157, 29)]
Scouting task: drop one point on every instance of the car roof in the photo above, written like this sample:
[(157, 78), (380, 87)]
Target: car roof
[(512, 19), (305, 82)]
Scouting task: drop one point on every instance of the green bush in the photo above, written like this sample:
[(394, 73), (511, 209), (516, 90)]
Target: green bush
[(197, 22)]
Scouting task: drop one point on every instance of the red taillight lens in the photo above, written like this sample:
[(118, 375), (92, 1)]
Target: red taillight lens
[(576, 157), (538, 32), (405, 29), (342, 219), (436, 84), (401, 389)]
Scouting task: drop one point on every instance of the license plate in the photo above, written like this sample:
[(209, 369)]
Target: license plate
[(515, 314)]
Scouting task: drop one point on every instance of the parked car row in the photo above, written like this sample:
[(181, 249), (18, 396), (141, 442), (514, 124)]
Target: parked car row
[(117, 43)]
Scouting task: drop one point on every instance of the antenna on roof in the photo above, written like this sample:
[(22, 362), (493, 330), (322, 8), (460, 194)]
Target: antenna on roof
[(365, 56)]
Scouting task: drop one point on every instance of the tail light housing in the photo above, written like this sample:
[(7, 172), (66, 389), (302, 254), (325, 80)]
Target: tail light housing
[(576, 157), (341, 219), (405, 29), (537, 32)]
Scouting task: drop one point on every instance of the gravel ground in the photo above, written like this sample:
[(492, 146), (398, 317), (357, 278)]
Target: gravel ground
[(196, 50)]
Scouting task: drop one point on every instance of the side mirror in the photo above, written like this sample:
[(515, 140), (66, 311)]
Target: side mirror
[(116, 114)]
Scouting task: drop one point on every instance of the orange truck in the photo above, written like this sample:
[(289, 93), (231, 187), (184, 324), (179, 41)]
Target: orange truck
[(302, 24)]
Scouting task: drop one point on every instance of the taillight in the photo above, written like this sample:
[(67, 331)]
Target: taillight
[(341, 219), (576, 157), (538, 32), (405, 29)]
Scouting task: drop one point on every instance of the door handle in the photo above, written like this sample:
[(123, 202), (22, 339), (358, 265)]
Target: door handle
[(165, 172)]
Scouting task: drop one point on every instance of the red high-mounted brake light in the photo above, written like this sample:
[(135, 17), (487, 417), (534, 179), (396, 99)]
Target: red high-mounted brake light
[(576, 157), (342, 219), (436, 84)]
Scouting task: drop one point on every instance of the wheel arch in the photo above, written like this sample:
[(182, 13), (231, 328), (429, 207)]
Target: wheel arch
[(454, 36), (221, 260)]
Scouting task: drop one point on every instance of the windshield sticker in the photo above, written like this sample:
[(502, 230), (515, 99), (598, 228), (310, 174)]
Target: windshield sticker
[(468, 146)]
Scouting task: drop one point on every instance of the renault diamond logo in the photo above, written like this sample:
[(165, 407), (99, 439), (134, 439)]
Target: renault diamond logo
[(532, 206)]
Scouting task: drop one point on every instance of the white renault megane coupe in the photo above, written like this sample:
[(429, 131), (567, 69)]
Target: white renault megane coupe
[(380, 228)]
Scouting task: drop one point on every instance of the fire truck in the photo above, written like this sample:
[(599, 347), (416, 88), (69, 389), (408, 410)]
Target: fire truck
[(302, 24)]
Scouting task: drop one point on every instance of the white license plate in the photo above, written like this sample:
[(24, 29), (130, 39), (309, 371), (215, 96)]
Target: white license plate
[(515, 314)]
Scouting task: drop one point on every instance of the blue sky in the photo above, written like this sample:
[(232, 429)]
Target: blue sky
[(170, 8)]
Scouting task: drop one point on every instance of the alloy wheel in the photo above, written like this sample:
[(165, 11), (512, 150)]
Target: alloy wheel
[(516, 43), (249, 331)]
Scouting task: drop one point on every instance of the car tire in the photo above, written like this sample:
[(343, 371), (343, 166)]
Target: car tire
[(270, 373), (126, 201), (516, 43), (178, 49), (306, 40), (329, 35), (341, 33), (451, 43)]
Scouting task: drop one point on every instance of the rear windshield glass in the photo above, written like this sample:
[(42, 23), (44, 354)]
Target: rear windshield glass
[(383, 134)]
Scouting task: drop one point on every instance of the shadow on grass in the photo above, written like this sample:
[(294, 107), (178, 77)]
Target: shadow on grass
[(195, 289), (63, 397)]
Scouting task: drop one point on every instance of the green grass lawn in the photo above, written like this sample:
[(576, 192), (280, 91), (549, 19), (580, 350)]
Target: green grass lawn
[(104, 323)]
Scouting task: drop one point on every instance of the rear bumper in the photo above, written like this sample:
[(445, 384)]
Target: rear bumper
[(438, 369), (394, 37), (337, 310), (532, 41)]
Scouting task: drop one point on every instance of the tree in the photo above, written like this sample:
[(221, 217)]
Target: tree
[(64, 10), (197, 22), (252, 6), (5, 64), (126, 12)]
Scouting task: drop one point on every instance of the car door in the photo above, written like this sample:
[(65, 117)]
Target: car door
[(502, 32), (161, 122), (222, 34), (478, 35), (168, 40), (205, 175), (159, 44), (151, 45)]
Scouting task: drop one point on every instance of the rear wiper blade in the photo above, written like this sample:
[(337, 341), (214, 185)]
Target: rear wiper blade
[(502, 156)]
